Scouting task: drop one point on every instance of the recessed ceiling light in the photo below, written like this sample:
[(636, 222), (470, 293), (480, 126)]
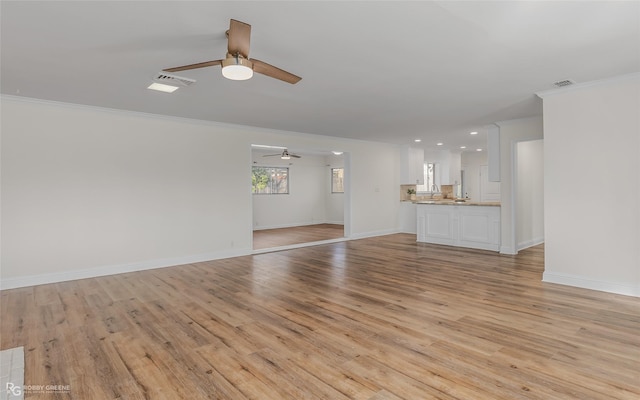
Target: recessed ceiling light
[(473, 133), (478, 149), (439, 144), (337, 153), (463, 147), (417, 140), (161, 87)]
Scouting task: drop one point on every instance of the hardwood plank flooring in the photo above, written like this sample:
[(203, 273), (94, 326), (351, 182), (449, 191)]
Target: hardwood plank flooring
[(371, 319), (268, 238)]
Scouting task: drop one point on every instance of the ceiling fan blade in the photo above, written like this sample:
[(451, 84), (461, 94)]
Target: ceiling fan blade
[(263, 68), (194, 66), (239, 38), (272, 155), (295, 156)]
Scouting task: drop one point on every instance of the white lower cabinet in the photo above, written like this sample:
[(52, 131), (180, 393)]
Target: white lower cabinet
[(471, 226)]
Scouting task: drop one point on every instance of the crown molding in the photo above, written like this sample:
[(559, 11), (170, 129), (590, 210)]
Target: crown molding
[(507, 122)]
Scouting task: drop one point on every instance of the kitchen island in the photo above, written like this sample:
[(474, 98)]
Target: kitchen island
[(465, 224)]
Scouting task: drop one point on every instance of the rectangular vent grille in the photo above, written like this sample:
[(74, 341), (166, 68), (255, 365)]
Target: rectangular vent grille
[(175, 80), (566, 82)]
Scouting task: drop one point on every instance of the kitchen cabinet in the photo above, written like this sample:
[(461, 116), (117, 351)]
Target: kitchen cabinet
[(473, 226), (412, 166)]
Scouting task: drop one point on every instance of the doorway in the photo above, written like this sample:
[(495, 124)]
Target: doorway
[(528, 190), (306, 208)]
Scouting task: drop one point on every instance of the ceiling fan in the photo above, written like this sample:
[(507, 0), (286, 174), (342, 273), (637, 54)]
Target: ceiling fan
[(237, 65), (285, 155)]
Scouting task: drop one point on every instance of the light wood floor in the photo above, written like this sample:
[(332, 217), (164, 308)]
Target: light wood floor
[(378, 318), (267, 238)]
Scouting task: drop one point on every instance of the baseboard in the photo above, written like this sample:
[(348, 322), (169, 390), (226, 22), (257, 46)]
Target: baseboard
[(530, 243), (586, 283), (299, 245), (328, 241), (508, 250), (334, 222), (33, 280), (365, 235), (294, 225)]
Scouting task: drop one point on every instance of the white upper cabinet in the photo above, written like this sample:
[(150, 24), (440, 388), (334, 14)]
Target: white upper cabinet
[(412, 166)]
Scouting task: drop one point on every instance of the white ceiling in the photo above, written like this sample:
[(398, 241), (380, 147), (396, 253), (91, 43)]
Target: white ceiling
[(383, 71)]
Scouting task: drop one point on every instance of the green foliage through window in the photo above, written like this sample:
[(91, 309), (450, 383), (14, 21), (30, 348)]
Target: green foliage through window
[(337, 180), (270, 180)]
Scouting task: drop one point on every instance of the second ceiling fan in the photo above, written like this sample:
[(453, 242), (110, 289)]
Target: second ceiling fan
[(285, 155), (237, 65)]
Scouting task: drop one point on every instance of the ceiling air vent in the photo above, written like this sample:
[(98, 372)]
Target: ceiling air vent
[(566, 82), (175, 80)]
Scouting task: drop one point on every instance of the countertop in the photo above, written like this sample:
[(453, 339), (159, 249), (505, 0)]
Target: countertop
[(454, 203)]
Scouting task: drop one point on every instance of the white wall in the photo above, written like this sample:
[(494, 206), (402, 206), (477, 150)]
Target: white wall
[(374, 203), (529, 194), (592, 185), (512, 132), (305, 203), (471, 163), (89, 192)]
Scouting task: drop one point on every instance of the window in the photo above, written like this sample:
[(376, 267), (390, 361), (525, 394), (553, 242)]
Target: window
[(270, 180), (429, 179), (337, 180)]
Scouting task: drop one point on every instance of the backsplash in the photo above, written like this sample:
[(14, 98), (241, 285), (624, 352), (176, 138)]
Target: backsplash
[(446, 192)]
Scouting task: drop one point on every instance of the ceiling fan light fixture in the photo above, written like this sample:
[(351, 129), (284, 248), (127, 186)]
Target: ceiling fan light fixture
[(285, 155), (237, 65), (237, 68)]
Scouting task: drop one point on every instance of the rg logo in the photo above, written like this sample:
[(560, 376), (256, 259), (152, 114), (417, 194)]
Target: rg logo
[(15, 390)]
